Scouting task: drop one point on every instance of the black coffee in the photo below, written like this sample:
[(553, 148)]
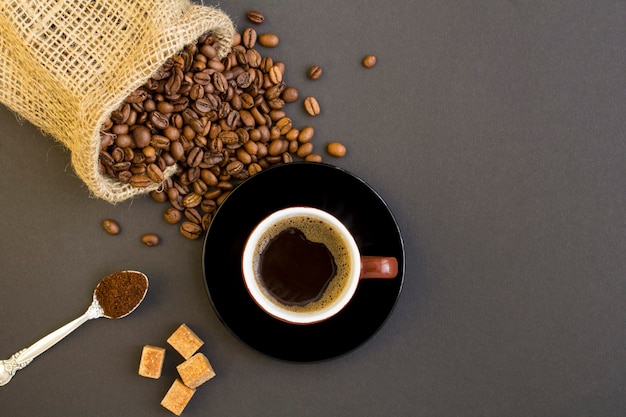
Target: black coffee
[(302, 263), (294, 269)]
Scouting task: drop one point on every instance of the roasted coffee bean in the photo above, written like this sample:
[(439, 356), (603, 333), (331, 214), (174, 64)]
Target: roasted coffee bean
[(293, 146), (254, 168), (208, 178), (190, 230), (306, 134), (177, 150), (369, 61), (124, 176), (280, 65), (142, 136), (275, 74), (150, 239), (193, 215), (255, 17), (117, 154), (160, 142), (165, 107), (137, 96), (304, 150), (124, 140), (208, 206), (199, 187), (234, 167), (290, 94), (140, 181), (284, 124), (203, 105), (138, 168), (121, 166), (195, 157), (158, 119), (243, 156), (268, 40), (248, 38), (315, 72), (154, 173), (192, 200), (313, 158), (172, 215), (336, 149), (220, 82), (159, 196), (311, 106), (111, 226), (201, 78), (275, 91), (277, 147)]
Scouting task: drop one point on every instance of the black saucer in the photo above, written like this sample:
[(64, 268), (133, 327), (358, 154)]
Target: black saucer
[(326, 187)]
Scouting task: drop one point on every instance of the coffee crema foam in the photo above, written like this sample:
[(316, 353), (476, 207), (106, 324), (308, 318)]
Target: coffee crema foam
[(315, 230)]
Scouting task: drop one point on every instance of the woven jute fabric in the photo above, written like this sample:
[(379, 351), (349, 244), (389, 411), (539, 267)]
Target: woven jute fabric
[(65, 65)]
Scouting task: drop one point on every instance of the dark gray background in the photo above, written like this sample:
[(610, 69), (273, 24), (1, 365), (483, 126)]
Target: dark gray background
[(495, 130)]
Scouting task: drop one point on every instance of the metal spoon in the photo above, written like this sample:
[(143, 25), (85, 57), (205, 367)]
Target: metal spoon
[(25, 356)]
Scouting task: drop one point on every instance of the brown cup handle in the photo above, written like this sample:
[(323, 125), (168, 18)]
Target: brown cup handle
[(378, 267)]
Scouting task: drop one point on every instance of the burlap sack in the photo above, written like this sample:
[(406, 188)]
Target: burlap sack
[(65, 65)]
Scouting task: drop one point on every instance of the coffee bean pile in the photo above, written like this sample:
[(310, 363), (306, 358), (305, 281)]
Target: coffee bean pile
[(216, 121)]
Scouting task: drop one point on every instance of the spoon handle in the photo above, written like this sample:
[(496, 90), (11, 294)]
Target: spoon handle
[(25, 356)]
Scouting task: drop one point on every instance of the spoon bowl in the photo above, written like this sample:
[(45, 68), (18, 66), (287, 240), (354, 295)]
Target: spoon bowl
[(130, 290)]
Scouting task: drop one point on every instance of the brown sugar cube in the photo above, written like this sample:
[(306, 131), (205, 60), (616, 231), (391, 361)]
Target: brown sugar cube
[(185, 341), (151, 362), (177, 397), (195, 371)]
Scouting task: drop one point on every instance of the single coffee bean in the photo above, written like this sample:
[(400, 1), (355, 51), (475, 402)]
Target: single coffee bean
[(172, 216), (193, 215), (315, 72), (159, 120), (150, 239), (111, 226), (255, 17), (206, 221), (154, 173), (311, 106), (192, 200), (137, 96), (290, 94), (313, 158), (369, 61), (142, 136), (165, 107), (275, 75), (336, 149), (201, 78), (195, 157), (159, 196), (284, 124), (268, 40), (160, 142), (140, 181), (234, 167), (190, 230), (304, 150), (248, 38)]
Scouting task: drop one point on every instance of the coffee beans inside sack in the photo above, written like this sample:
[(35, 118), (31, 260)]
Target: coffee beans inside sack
[(67, 65), (214, 121)]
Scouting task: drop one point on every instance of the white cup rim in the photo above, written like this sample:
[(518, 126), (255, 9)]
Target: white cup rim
[(253, 285)]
